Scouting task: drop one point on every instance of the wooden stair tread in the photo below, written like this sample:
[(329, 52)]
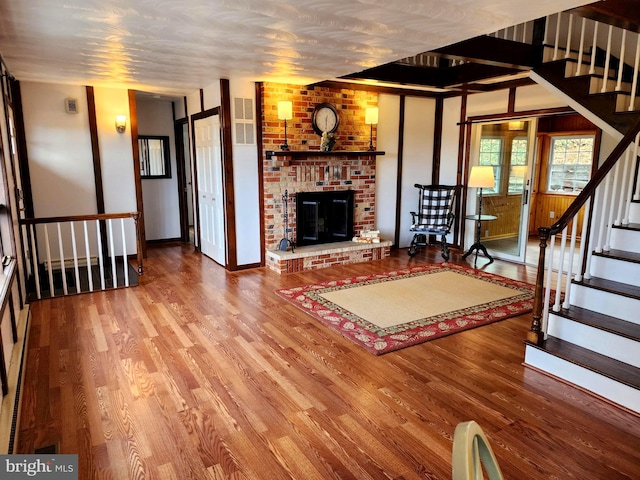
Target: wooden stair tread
[(620, 255), (601, 364), (600, 321), (629, 226), (603, 284)]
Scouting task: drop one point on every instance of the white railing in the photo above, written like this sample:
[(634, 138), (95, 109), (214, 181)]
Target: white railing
[(70, 255), (606, 201), (569, 36)]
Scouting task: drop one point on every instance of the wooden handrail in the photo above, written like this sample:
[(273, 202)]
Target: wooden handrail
[(590, 188), (544, 233), (79, 218)]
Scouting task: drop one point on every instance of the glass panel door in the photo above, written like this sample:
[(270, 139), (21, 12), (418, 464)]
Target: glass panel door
[(508, 147)]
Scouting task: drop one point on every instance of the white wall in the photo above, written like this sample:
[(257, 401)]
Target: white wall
[(417, 158), (387, 165), (59, 149), (160, 195), (246, 182), (116, 153)]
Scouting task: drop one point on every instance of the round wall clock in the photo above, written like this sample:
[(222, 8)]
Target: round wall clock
[(325, 118)]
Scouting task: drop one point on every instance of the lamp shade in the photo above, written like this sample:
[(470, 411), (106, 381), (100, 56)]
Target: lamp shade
[(371, 116), (482, 177), (285, 110)]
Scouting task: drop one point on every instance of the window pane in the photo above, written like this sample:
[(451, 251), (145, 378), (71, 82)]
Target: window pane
[(570, 163)]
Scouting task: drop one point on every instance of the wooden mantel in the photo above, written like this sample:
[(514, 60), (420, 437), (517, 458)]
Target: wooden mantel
[(321, 153)]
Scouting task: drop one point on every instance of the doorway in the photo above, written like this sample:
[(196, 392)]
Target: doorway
[(209, 181), (509, 148), (185, 181)]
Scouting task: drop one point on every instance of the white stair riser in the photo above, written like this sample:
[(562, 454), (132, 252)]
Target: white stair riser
[(599, 341), (607, 303), (616, 270), (623, 239), (634, 213), (619, 393)]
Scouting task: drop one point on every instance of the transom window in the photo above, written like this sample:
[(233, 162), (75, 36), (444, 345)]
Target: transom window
[(570, 161)]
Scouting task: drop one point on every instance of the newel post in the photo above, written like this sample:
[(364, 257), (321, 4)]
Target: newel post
[(535, 335), (136, 218)]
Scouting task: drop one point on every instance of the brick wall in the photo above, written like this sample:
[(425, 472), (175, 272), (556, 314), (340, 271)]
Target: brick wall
[(316, 173)]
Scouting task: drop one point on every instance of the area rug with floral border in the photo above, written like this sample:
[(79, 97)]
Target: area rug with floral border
[(383, 337)]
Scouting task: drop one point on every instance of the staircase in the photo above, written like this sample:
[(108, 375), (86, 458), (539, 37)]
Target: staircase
[(592, 338)]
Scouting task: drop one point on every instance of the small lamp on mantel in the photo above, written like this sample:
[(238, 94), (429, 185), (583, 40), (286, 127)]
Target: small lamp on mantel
[(371, 118), (285, 112), (481, 176)]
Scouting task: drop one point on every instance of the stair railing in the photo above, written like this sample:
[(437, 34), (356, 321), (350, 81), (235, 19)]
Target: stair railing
[(570, 35), (606, 198), (87, 252)]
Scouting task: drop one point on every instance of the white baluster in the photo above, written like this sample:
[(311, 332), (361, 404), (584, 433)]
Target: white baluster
[(547, 294), (636, 195), (557, 41), (604, 205), (48, 252), (584, 241), (524, 33), (592, 67), (75, 257), (34, 258), (612, 208), (563, 246), (112, 251), (547, 22), (621, 65), (581, 48), (124, 254), (607, 62), (567, 53), (572, 251), (634, 83), (62, 268), (87, 247), (625, 187), (100, 256)]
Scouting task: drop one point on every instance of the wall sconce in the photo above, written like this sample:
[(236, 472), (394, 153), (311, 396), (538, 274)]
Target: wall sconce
[(371, 119), (285, 112), (121, 123)]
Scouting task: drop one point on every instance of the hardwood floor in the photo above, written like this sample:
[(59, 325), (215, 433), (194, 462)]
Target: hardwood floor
[(198, 373)]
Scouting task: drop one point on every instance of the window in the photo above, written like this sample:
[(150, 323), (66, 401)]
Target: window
[(570, 161), (518, 165), (154, 156), (491, 154)]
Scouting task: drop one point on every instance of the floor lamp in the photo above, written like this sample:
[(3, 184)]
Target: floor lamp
[(481, 176)]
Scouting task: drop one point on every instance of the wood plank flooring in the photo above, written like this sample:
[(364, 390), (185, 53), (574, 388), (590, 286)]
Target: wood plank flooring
[(198, 373)]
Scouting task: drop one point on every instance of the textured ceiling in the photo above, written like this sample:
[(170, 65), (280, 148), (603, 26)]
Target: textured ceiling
[(177, 47)]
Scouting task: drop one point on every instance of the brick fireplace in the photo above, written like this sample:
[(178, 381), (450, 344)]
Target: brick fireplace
[(304, 170)]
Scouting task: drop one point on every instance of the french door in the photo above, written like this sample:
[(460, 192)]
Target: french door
[(509, 147)]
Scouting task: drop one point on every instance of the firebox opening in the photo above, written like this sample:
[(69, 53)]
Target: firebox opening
[(324, 217)]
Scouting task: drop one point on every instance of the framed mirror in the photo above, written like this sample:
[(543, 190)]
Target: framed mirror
[(155, 161)]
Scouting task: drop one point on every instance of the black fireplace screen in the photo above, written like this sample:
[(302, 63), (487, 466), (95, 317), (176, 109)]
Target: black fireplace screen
[(324, 217)]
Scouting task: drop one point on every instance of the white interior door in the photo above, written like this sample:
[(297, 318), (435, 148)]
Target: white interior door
[(209, 188)]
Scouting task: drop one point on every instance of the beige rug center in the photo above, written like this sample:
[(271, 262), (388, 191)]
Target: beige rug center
[(395, 302)]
